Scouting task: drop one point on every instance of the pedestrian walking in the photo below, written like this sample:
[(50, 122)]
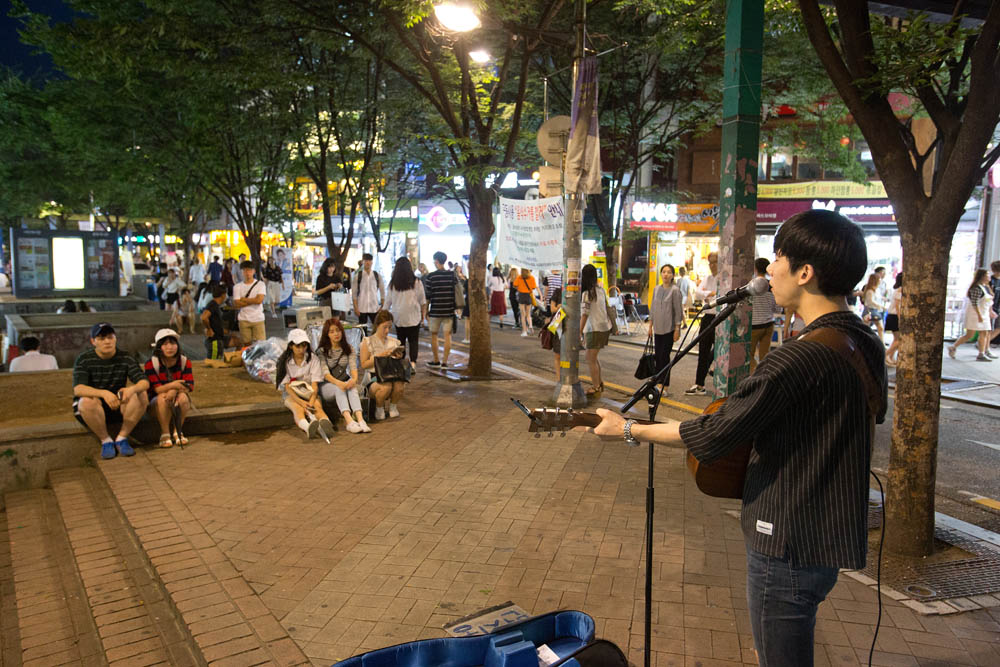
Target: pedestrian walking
[(197, 271), (706, 289), (526, 288), (994, 287), (762, 319), (367, 291), (892, 321), (595, 325), (407, 302), (327, 283), (227, 276), (977, 317), (215, 270), (512, 296), (556, 326), (684, 285), (497, 288), (273, 280), (211, 319), (463, 280), (666, 313), (874, 311), (554, 282), (440, 286)]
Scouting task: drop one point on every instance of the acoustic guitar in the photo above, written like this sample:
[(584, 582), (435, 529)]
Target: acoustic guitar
[(722, 478)]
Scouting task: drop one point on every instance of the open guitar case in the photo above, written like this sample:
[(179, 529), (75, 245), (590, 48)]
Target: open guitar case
[(567, 634)]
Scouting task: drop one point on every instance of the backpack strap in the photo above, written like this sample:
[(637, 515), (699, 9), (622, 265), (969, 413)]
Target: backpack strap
[(844, 345)]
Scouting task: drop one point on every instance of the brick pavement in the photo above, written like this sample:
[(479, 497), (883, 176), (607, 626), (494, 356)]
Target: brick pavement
[(383, 538)]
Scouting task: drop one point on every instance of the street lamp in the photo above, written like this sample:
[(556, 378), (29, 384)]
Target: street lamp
[(480, 57), (455, 17)]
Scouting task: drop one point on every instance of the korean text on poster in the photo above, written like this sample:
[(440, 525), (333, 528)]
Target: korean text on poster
[(530, 233)]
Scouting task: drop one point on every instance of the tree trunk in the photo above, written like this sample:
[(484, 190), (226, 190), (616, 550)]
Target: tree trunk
[(909, 507), (481, 229)]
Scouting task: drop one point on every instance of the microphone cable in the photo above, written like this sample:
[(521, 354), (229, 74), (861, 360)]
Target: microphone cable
[(878, 570)]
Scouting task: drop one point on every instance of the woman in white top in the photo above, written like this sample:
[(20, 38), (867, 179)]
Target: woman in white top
[(873, 307), (892, 321), (977, 317), (595, 325), (298, 363), (407, 302), (497, 287), (381, 344)]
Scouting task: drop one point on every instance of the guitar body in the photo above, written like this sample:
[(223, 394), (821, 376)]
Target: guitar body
[(724, 477)]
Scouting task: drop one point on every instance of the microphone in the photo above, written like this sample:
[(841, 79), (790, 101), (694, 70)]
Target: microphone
[(755, 287)]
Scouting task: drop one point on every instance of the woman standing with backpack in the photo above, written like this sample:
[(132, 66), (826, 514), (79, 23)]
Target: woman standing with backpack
[(595, 325)]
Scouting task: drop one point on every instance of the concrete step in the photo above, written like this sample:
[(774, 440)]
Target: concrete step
[(135, 621), (228, 621), (10, 636), (54, 623)]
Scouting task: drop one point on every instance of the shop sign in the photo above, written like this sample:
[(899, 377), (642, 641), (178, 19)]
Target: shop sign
[(438, 219), (660, 217), (860, 210), (822, 190)]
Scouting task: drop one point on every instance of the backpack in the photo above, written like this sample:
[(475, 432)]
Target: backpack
[(156, 365)]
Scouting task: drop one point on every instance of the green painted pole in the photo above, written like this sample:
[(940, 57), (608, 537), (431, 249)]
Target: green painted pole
[(741, 111)]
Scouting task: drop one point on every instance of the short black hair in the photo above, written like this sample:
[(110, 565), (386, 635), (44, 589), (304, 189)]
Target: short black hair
[(440, 257), (367, 256), (761, 264), (215, 257), (29, 343), (833, 245), (246, 265), (218, 290)]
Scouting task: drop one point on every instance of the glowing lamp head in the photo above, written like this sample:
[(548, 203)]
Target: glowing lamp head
[(480, 57), (455, 17)]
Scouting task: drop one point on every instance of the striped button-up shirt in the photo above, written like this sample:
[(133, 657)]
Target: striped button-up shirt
[(806, 489)]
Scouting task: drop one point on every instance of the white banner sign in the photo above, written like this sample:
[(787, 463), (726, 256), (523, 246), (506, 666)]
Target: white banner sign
[(530, 233)]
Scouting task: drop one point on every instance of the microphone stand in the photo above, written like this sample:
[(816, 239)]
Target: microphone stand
[(652, 393)]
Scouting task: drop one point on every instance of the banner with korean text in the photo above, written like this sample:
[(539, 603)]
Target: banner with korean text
[(530, 233)]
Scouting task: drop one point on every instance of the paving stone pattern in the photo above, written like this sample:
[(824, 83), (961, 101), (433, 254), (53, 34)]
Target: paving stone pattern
[(383, 538)]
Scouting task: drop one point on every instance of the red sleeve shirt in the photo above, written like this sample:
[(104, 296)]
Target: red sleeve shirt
[(165, 377)]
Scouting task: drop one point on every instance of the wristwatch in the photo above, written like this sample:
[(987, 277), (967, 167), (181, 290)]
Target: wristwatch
[(629, 440)]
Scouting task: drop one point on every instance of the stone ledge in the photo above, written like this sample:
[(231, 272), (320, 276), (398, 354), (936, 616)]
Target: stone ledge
[(28, 453)]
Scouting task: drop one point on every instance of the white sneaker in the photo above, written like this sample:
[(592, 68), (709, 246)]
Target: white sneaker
[(355, 427), (379, 414), (393, 410), (524, 334), (365, 428), (465, 340)]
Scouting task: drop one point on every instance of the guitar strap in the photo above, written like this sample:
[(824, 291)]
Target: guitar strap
[(844, 345)]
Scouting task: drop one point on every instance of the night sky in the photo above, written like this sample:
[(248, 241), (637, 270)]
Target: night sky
[(18, 56)]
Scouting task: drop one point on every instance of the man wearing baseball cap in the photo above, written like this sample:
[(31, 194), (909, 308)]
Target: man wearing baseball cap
[(101, 397)]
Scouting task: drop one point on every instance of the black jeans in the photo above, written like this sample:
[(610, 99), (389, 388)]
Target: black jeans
[(512, 297), (410, 335), (662, 344), (706, 350), (363, 318)]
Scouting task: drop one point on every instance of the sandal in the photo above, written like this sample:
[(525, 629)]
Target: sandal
[(166, 441), (595, 392), (179, 438)]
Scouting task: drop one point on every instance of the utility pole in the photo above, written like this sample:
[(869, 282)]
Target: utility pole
[(738, 188), (569, 391)]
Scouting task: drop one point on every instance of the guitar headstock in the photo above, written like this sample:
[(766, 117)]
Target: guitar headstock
[(555, 419)]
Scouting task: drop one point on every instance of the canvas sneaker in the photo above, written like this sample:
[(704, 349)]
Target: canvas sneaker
[(355, 427), (365, 428), (379, 414), (695, 390), (108, 450), (124, 448), (393, 411)]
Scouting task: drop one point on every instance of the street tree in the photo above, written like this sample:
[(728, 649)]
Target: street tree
[(950, 71), (480, 109)]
